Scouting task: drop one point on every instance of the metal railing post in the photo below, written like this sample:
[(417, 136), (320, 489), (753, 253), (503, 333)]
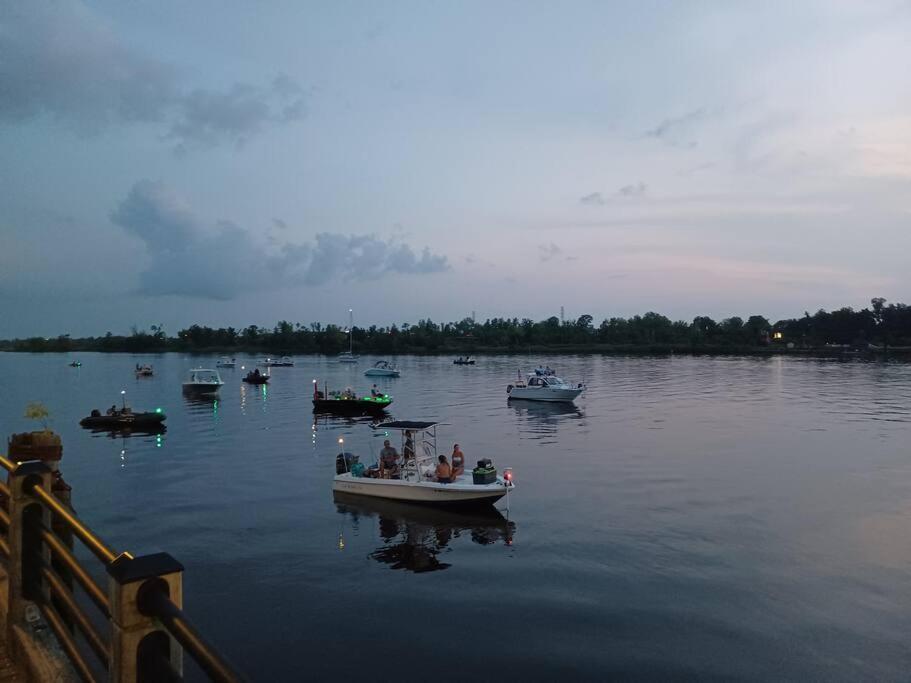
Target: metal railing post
[(27, 552), (139, 643)]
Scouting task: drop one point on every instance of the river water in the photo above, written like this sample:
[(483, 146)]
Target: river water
[(705, 518)]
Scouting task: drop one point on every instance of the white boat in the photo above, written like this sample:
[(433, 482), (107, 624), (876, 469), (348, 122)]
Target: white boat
[(348, 356), (416, 483), (382, 368), (283, 362), (225, 362), (544, 386), (202, 381)]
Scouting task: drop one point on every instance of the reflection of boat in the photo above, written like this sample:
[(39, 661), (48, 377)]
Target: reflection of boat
[(348, 356), (382, 368), (127, 431), (123, 419), (416, 482), (544, 386), (283, 362), (546, 409), (225, 362), (202, 381), (414, 535), (463, 361), (347, 402), (144, 370), (256, 377)]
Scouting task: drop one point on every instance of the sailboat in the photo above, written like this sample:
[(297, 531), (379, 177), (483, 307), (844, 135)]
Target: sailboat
[(348, 356)]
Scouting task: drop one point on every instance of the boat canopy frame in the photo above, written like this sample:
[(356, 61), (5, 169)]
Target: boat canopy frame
[(423, 447)]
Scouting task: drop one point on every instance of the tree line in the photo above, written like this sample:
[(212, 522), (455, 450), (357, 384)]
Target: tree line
[(880, 325)]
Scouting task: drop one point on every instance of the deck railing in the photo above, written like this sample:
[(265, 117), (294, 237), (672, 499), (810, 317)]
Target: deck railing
[(137, 631)]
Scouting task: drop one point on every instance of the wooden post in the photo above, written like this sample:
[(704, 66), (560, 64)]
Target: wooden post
[(139, 643), (25, 546)]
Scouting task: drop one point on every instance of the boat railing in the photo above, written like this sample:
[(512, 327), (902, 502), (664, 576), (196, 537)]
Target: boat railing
[(137, 629)]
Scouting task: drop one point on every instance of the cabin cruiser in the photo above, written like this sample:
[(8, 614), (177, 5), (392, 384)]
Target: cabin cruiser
[(544, 387), (202, 381), (412, 477), (225, 362), (144, 370), (283, 362), (382, 368)]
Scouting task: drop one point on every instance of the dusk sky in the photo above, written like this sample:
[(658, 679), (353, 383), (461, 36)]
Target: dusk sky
[(237, 163)]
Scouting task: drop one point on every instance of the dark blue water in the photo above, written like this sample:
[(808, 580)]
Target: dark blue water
[(729, 518)]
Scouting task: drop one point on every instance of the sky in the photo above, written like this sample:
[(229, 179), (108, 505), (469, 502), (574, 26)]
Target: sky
[(236, 163)]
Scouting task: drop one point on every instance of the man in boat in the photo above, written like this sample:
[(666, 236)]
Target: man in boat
[(389, 461), (408, 448), (112, 410), (375, 392)]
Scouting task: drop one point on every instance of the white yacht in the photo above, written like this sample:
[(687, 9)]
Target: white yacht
[(414, 479), (544, 386), (283, 362), (382, 368), (202, 381), (225, 362)]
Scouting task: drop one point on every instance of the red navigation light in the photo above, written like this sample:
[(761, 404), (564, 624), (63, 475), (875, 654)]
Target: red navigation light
[(507, 475)]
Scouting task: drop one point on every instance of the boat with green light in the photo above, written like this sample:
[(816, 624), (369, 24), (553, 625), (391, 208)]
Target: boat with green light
[(123, 419), (347, 402)]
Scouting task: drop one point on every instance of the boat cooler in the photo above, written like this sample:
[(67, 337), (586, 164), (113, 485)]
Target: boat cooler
[(485, 472)]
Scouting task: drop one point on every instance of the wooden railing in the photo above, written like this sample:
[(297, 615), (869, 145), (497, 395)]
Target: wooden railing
[(137, 631)]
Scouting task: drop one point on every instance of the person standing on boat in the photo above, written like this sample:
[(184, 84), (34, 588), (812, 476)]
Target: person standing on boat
[(458, 461), (408, 448), (375, 392), (444, 471)]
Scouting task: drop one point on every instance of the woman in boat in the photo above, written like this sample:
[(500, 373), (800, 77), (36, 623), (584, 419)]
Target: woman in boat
[(458, 461), (444, 471)]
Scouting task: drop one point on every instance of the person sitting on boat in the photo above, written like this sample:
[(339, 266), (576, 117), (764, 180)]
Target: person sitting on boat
[(375, 392), (458, 461), (444, 471), (112, 410), (389, 460)]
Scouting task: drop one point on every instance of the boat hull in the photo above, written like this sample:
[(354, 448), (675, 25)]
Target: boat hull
[(346, 406), (431, 493), (549, 394), (377, 372), (136, 421), (201, 388)]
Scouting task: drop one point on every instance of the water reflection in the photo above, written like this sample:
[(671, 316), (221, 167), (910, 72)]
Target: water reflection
[(416, 536), (544, 418)]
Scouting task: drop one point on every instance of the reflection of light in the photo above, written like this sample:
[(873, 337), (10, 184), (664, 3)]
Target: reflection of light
[(123, 457), (341, 542), (215, 408), (158, 441)]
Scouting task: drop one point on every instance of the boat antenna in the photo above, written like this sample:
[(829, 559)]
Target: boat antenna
[(123, 398)]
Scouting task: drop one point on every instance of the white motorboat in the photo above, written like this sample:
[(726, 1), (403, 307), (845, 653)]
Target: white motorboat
[(202, 381), (225, 362), (349, 356), (283, 362), (382, 368), (416, 482), (544, 386)]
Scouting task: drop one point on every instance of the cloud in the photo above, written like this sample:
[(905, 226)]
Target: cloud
[(188, 259), (64, 61), (636, 190), (546, 252), (678, 131), (593, 199)]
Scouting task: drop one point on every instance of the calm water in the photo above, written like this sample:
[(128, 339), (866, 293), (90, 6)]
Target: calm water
[(728, 518)]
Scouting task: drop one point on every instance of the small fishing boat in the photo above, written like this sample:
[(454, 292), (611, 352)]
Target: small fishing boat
[(283, 362), (348, 356), (382, 368), (347, 402), (544, 386), (256, 377), (144, 370), (463, 361), (225, 362), (202, 381), (124, 419), (415, 480), (75, 364)]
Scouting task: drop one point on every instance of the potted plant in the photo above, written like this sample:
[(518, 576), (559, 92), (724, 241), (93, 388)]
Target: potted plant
[(38, 445)]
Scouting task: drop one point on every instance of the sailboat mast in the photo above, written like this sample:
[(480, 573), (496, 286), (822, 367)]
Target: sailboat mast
[(350, 330)]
